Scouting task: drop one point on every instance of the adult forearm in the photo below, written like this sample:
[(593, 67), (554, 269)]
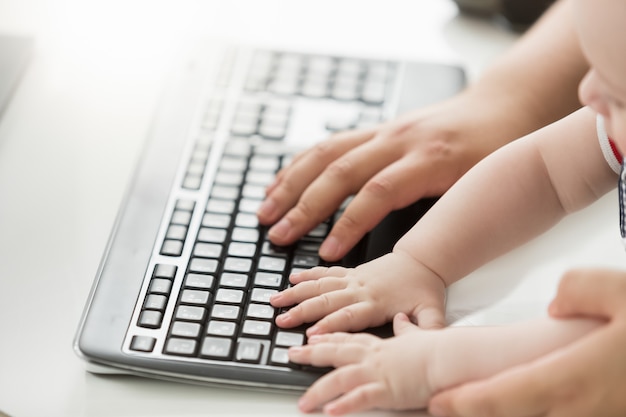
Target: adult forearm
[(536, 81)]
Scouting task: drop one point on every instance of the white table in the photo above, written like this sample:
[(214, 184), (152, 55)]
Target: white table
[(71, 136)]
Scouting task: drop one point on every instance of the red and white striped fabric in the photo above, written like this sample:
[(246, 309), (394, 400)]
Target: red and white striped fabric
[(609, 150)]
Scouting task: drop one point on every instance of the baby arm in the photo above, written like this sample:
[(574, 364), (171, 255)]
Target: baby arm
[(403, 372)]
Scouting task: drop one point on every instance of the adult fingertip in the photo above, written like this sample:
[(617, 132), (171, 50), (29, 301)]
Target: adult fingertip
[(281, 231), (440, 406), (554, 309), (436, 410), (330, 249), (305, 405), (333, 409), (267, 210), (313, 331)]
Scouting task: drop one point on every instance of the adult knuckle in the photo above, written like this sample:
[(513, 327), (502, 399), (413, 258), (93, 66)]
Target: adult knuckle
[(323, 150), (348, 222), (339, 169), (380, 187), (305, 209)]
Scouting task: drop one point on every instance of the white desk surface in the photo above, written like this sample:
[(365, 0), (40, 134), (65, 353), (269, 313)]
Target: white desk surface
[(70, 138)]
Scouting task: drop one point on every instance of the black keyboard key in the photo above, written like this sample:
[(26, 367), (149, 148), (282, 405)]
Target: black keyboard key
[(190, 313), (288, 339), (187, 205), (228, 296), (261, 311), (181, 217), (165, 271), (226, 312), (256, 328), (272, 250), (268, 279), (269, 263), (176, 232), (207, 250), (199, 281), (172, 248), (160, 286), (195, 297), (211, 235), (249, 351), (244, 250), (222, 328), (214, 220), (155, 302), (216, 348), (237, 264), (262, 295), (150, 319), (246, 220), (181, 347), (142, 343), (306, 261), (203, 266), (280, 357), (185, 329), (234, 280), (244, 234)]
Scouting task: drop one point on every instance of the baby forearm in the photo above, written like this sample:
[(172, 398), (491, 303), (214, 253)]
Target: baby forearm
[(489, 350), (513, 195)]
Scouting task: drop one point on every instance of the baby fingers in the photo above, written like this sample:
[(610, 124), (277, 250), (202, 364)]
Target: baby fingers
[(342, 337), (306, 290), (333, 385), (328, 354), (319, 301), (355, 316), (317, 273)]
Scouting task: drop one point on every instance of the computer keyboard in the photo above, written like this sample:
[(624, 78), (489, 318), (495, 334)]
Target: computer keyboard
[(215, 269), (183, 289)]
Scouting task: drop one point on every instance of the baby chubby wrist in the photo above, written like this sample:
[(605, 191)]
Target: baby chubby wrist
[(418, 266)]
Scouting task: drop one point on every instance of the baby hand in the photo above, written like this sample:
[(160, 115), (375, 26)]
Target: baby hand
[(366, 296), (371, 372)]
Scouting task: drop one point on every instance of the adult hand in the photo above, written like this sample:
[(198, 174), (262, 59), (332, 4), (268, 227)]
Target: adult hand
[(420, 154), (586, 378)]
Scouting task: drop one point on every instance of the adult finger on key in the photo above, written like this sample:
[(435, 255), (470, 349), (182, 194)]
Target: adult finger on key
[(340, 179), (396, 186), (294, 179)]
